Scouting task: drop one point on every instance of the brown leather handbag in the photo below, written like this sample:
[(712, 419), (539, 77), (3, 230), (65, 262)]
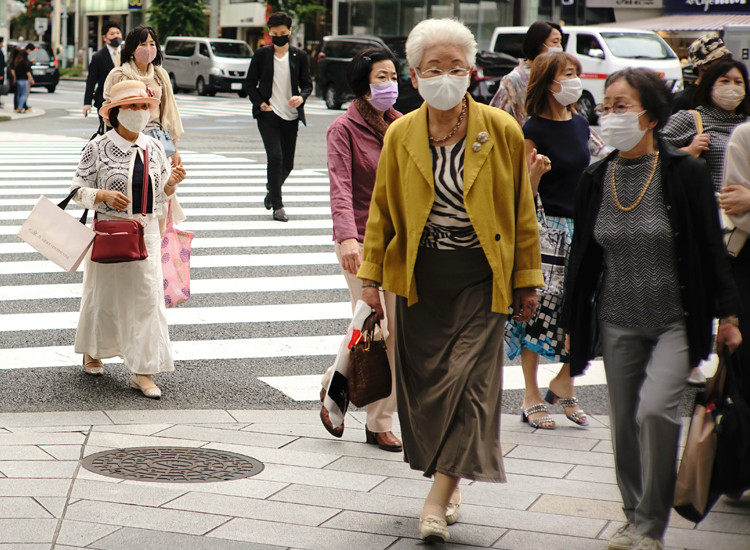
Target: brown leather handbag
[(369, 370), (118, 241)]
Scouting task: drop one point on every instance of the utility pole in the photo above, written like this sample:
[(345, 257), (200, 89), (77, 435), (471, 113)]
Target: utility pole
[(213, 26), (56, 13)]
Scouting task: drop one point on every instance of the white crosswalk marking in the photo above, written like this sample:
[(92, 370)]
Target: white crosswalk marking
[(248, 271), (195, 106)]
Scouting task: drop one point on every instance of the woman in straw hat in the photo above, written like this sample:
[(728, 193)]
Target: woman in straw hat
[(122, 307)]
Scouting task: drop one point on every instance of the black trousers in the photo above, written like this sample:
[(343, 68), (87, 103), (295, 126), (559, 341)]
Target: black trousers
[(280, 140)]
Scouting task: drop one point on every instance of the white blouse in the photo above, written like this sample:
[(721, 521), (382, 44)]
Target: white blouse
[(107, 163)]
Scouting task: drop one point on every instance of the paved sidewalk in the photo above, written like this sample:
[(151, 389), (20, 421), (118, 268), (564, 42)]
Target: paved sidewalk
[(314, 492)]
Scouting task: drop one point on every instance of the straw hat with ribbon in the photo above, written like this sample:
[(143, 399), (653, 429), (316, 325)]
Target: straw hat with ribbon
[(125, 93)]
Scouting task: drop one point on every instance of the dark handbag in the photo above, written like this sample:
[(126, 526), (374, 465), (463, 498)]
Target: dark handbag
[(163, 136), (369, 370), (731, 474), (693, 495), (118, 241), (554, 245)]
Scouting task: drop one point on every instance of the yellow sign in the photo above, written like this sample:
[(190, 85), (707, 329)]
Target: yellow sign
[(135, 4)]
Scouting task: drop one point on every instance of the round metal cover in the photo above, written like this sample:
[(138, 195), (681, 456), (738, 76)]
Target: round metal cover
[(172, 464)]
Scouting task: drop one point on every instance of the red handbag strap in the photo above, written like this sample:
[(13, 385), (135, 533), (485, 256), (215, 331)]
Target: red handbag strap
[(144, 198)]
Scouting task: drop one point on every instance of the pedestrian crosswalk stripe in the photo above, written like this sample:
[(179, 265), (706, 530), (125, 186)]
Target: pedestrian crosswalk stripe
[(185, 189), (197, 287), (67, 320), (195, 226), (211, 212), (246, 199), (196, 262)]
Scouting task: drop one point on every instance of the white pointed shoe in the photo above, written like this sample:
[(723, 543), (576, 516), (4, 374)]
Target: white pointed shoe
[(151, 391), (92, 366)]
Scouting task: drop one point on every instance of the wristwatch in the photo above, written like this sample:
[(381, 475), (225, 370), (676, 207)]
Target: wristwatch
[(263, 107)]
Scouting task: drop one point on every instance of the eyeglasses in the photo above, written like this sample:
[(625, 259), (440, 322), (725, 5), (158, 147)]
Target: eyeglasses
[(431, 73), (617, 108)]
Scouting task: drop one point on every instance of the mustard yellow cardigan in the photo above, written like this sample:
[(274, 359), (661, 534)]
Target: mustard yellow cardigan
[(497, 197)]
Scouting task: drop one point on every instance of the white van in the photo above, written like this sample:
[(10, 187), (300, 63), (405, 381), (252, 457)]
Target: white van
[(208, 65), (602, 51)]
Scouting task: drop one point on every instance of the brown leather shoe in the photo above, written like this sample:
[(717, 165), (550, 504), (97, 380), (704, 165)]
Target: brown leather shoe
[(385, 440), (325, 418), (328, 425)]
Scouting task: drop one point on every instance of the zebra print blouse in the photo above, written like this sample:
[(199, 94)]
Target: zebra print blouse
[(448, 226)]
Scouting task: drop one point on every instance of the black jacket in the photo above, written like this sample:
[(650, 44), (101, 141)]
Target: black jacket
[(2, 66), (706, 284), (101, 64), (260, 78)]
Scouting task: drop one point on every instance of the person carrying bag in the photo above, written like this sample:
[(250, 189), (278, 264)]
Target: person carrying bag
[(122, 304)]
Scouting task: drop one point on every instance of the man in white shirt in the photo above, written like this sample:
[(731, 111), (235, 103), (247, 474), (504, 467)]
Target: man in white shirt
[(278, 84), (102, 62)]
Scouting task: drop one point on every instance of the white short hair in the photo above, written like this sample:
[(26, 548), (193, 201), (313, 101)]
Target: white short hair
[(432, 32)]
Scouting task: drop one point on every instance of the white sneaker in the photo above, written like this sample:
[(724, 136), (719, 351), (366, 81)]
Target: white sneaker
[(697, 378), (624, 537), (647, 543)]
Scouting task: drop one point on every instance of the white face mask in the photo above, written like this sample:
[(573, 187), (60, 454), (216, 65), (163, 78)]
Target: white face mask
[(553, 48), (135, 121), (623, 132), (570, 92), (443, 92), (728, 97)]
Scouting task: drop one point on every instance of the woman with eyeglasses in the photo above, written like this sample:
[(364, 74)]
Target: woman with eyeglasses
[(557, 152), (452, 232), (648, 273)]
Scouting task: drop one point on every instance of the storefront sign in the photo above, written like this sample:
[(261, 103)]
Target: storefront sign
[(135, 4), (707, 6), (619, 4)]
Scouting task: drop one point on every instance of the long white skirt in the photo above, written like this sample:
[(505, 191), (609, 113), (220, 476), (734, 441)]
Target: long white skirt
[(122, 310)]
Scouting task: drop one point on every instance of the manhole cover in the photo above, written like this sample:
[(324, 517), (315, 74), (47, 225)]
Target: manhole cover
[(172, 464)]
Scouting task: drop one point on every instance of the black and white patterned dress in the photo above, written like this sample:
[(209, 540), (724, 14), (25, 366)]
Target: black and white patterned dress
[(717, 123)]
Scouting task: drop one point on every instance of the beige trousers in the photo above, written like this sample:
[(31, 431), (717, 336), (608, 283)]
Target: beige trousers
[(380, 413)]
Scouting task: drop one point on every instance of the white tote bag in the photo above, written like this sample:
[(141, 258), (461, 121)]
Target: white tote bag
[(58, 236)]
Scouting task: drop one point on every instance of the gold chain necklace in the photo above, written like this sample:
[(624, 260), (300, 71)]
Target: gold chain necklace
[(455, 128), (643, 191)]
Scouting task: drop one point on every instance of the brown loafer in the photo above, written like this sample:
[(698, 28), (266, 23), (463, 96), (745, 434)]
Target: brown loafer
[(385, 440), (92, 366), (325, 418)]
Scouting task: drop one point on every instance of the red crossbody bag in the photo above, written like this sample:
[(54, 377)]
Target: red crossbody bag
[(119, 241)]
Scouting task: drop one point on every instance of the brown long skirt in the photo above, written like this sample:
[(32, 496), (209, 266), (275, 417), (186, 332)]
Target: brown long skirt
[(449, 350)]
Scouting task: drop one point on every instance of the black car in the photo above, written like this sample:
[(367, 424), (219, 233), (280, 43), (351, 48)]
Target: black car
[(43, 63), (338, 51)]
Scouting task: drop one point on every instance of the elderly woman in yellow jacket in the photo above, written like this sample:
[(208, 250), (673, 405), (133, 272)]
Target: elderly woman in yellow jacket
[(452, 231)]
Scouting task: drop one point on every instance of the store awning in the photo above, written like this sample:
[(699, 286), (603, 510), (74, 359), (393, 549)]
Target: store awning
[(683, 23)]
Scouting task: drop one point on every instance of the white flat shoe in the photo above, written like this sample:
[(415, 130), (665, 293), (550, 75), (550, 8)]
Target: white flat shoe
[(92, 366), (151, 391), (433, 529), (452, 511)]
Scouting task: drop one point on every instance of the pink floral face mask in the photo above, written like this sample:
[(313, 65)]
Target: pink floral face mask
[(145, 54)]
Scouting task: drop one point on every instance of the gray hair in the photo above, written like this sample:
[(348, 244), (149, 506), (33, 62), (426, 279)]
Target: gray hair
[(433, 32)]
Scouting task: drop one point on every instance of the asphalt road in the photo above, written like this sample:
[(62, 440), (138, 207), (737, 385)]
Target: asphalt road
[(213, 125)]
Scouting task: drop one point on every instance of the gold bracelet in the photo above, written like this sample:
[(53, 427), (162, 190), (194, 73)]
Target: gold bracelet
[(370, 285), (731, 320)]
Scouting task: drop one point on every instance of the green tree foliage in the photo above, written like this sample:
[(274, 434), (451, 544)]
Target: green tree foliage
[(301, 11), (178, 18), (23, 23)]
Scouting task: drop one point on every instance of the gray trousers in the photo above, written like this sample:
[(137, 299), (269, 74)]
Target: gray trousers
[(647, 370)]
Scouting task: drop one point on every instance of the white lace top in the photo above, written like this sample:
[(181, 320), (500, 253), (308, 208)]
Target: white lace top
[(107, 163)]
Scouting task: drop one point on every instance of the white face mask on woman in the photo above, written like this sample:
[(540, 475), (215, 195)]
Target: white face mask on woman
[(135, 121), (728, 97), (623, 132), (443, 92), (570, 91)]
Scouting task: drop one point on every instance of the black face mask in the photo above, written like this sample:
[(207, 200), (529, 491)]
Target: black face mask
[(114, 42), (280, 41)]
